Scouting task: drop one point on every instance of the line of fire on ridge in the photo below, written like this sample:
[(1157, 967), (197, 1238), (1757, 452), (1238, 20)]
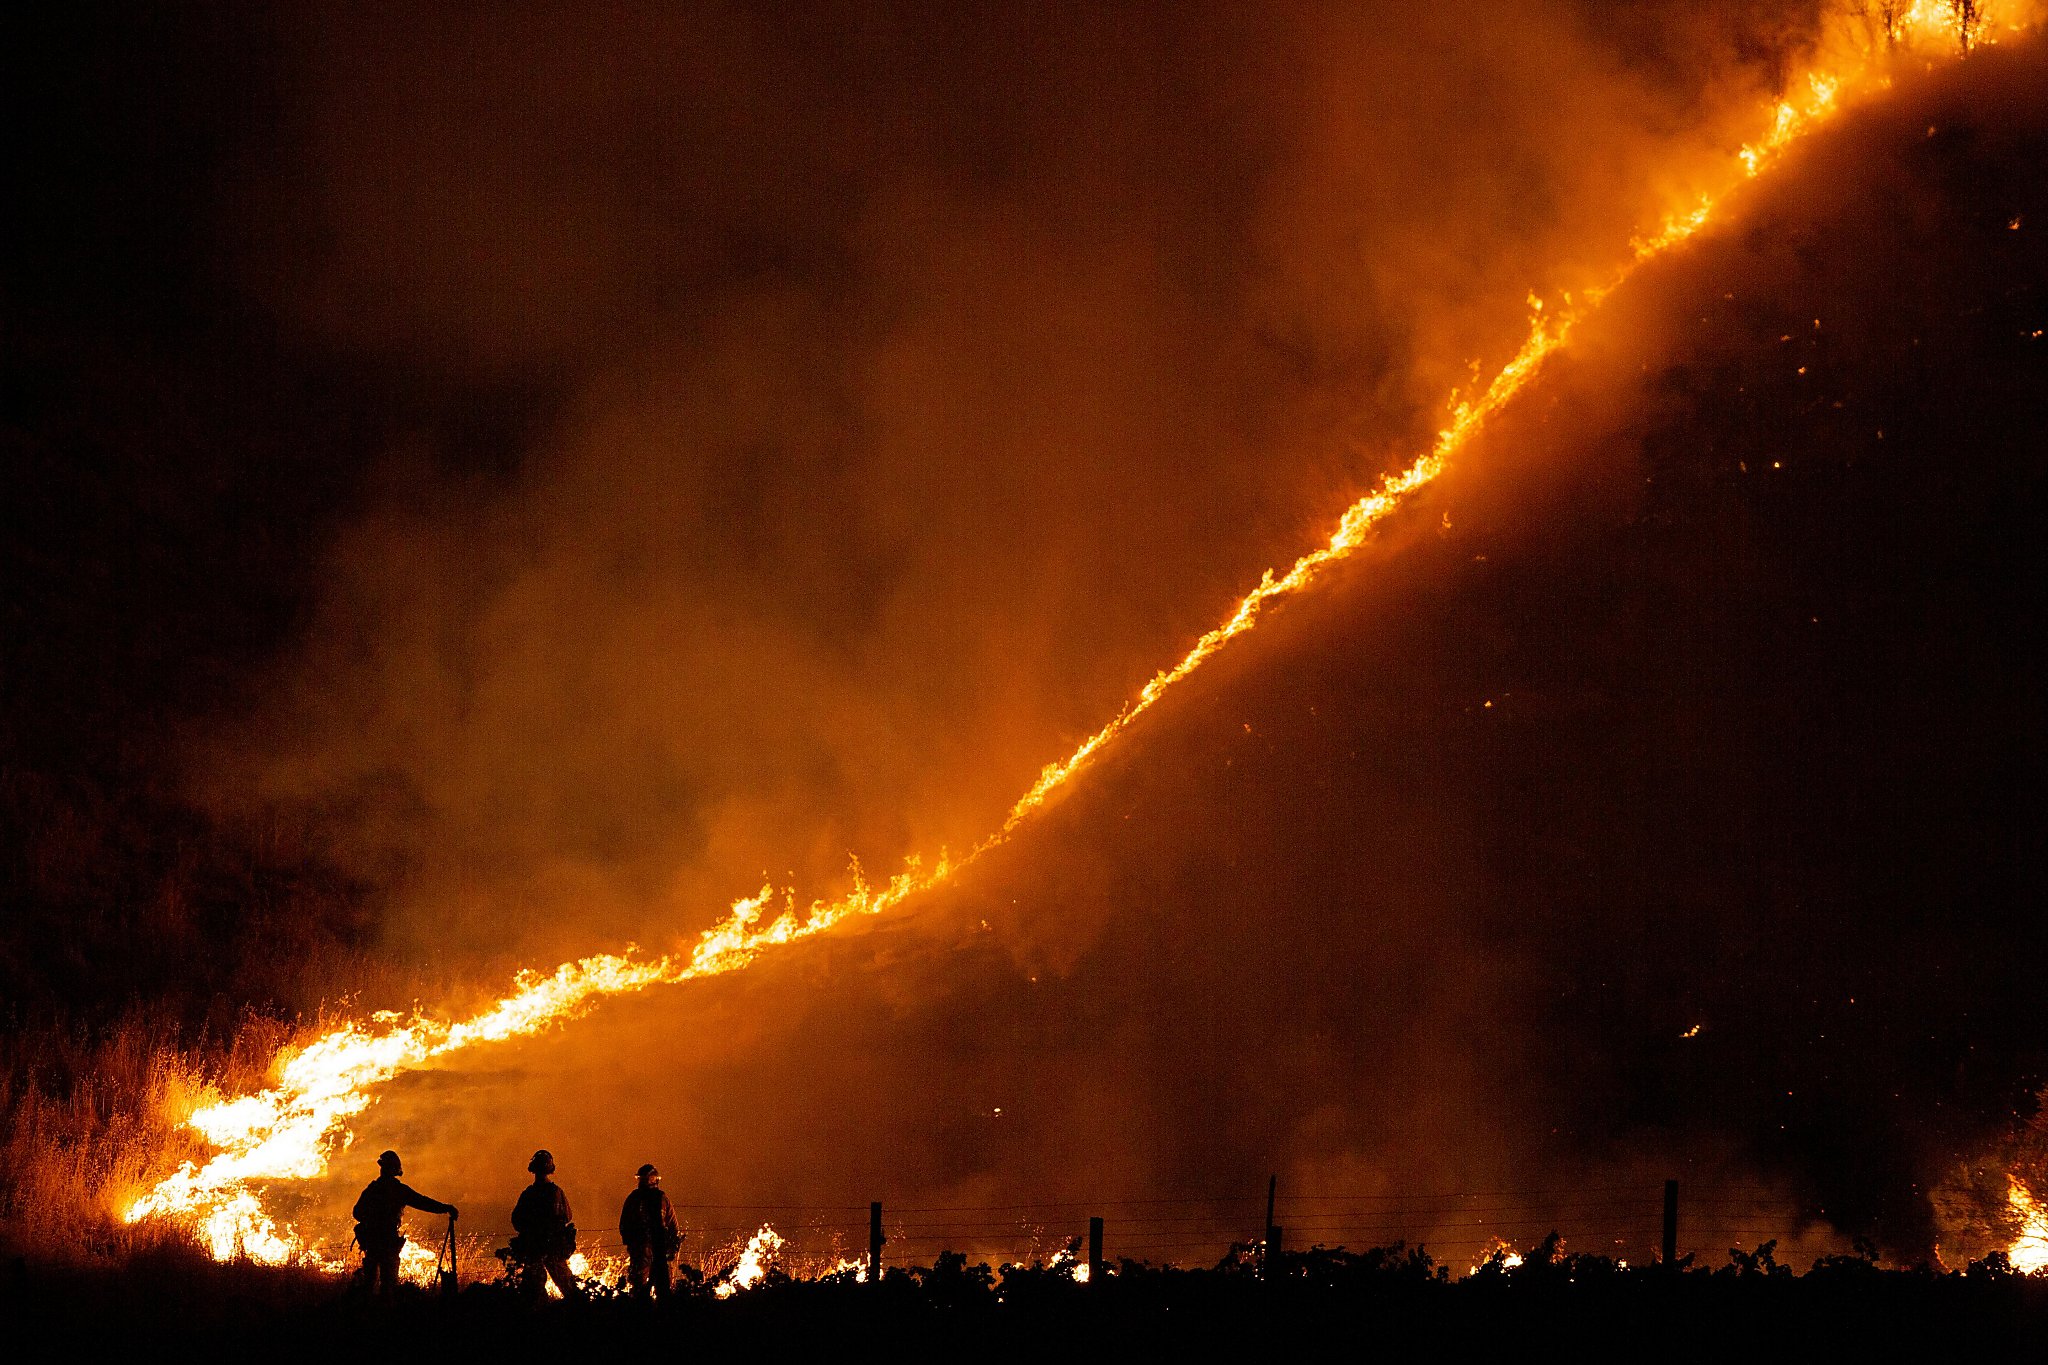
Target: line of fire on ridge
[(288, 1131)]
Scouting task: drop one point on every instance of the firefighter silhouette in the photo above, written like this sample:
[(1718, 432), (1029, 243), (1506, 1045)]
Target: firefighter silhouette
[(378, 1208), (647, 1226), (544, 1232)]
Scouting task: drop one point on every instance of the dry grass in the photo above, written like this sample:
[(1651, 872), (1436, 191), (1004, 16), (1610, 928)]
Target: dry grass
[(149, 960), (88, 1120)]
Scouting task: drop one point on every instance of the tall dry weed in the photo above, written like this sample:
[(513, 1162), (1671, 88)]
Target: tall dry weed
[(90, 1120)]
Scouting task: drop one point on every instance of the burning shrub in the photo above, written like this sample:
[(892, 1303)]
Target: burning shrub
[(1999, 1205)]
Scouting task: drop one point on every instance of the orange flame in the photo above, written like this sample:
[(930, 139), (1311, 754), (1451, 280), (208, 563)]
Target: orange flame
[(1498, 1252), (291, 1130), (752, 1267), (2029, 1251)]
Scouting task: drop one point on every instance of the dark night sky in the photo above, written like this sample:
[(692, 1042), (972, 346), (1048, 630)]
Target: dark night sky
[(486, 487)]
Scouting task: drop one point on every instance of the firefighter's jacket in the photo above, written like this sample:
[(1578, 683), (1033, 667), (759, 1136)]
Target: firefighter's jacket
[(380, 1205), (542, 1218), (648, 1222)]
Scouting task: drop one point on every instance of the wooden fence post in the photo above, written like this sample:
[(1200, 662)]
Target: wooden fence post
[(1272, 1232), (1671, 1225)]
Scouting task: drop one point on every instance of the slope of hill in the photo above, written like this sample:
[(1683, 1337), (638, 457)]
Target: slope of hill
[(1665, 800)]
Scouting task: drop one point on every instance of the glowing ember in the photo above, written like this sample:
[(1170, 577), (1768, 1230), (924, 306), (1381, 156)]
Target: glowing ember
[(291, 1130), (753, 1264), (2029, 1251)]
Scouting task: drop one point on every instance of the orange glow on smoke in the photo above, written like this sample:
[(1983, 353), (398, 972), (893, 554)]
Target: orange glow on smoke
[(291, 1130)]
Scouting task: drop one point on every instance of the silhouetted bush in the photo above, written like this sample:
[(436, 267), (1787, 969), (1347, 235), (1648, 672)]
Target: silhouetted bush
[(1378, 1301)]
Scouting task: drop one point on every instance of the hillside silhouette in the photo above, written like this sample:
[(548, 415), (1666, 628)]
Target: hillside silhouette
[(1664, 799), (1668, 812)]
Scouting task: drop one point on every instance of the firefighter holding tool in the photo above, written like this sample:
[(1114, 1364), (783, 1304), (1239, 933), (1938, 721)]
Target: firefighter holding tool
[(382, 1203)]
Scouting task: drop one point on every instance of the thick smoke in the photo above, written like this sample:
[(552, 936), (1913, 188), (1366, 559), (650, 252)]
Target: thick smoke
[(918, 382)]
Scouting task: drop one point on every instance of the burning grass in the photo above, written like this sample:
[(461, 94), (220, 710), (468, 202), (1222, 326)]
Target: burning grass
[(115, 893), (285, 1131), (91, 1115)]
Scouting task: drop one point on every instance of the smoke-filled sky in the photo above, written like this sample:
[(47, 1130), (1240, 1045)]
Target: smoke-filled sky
[(593, 458), (914, 382)]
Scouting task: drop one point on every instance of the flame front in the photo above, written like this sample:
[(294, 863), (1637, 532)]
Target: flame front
[(2029, 1251), (290, 1131)]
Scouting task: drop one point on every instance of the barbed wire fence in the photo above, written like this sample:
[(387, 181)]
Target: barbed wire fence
[(1460, 1229)]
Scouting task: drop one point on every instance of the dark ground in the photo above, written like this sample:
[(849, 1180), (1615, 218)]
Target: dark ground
[(1332, 1305)]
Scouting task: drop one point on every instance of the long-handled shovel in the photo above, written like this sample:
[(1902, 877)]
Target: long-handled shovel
[(444, 1266)]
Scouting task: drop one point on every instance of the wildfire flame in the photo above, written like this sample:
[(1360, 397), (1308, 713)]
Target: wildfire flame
[(1068, 1260), (2029, 1251), (1498, 1252), (290, 1130), (752, 1267)]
